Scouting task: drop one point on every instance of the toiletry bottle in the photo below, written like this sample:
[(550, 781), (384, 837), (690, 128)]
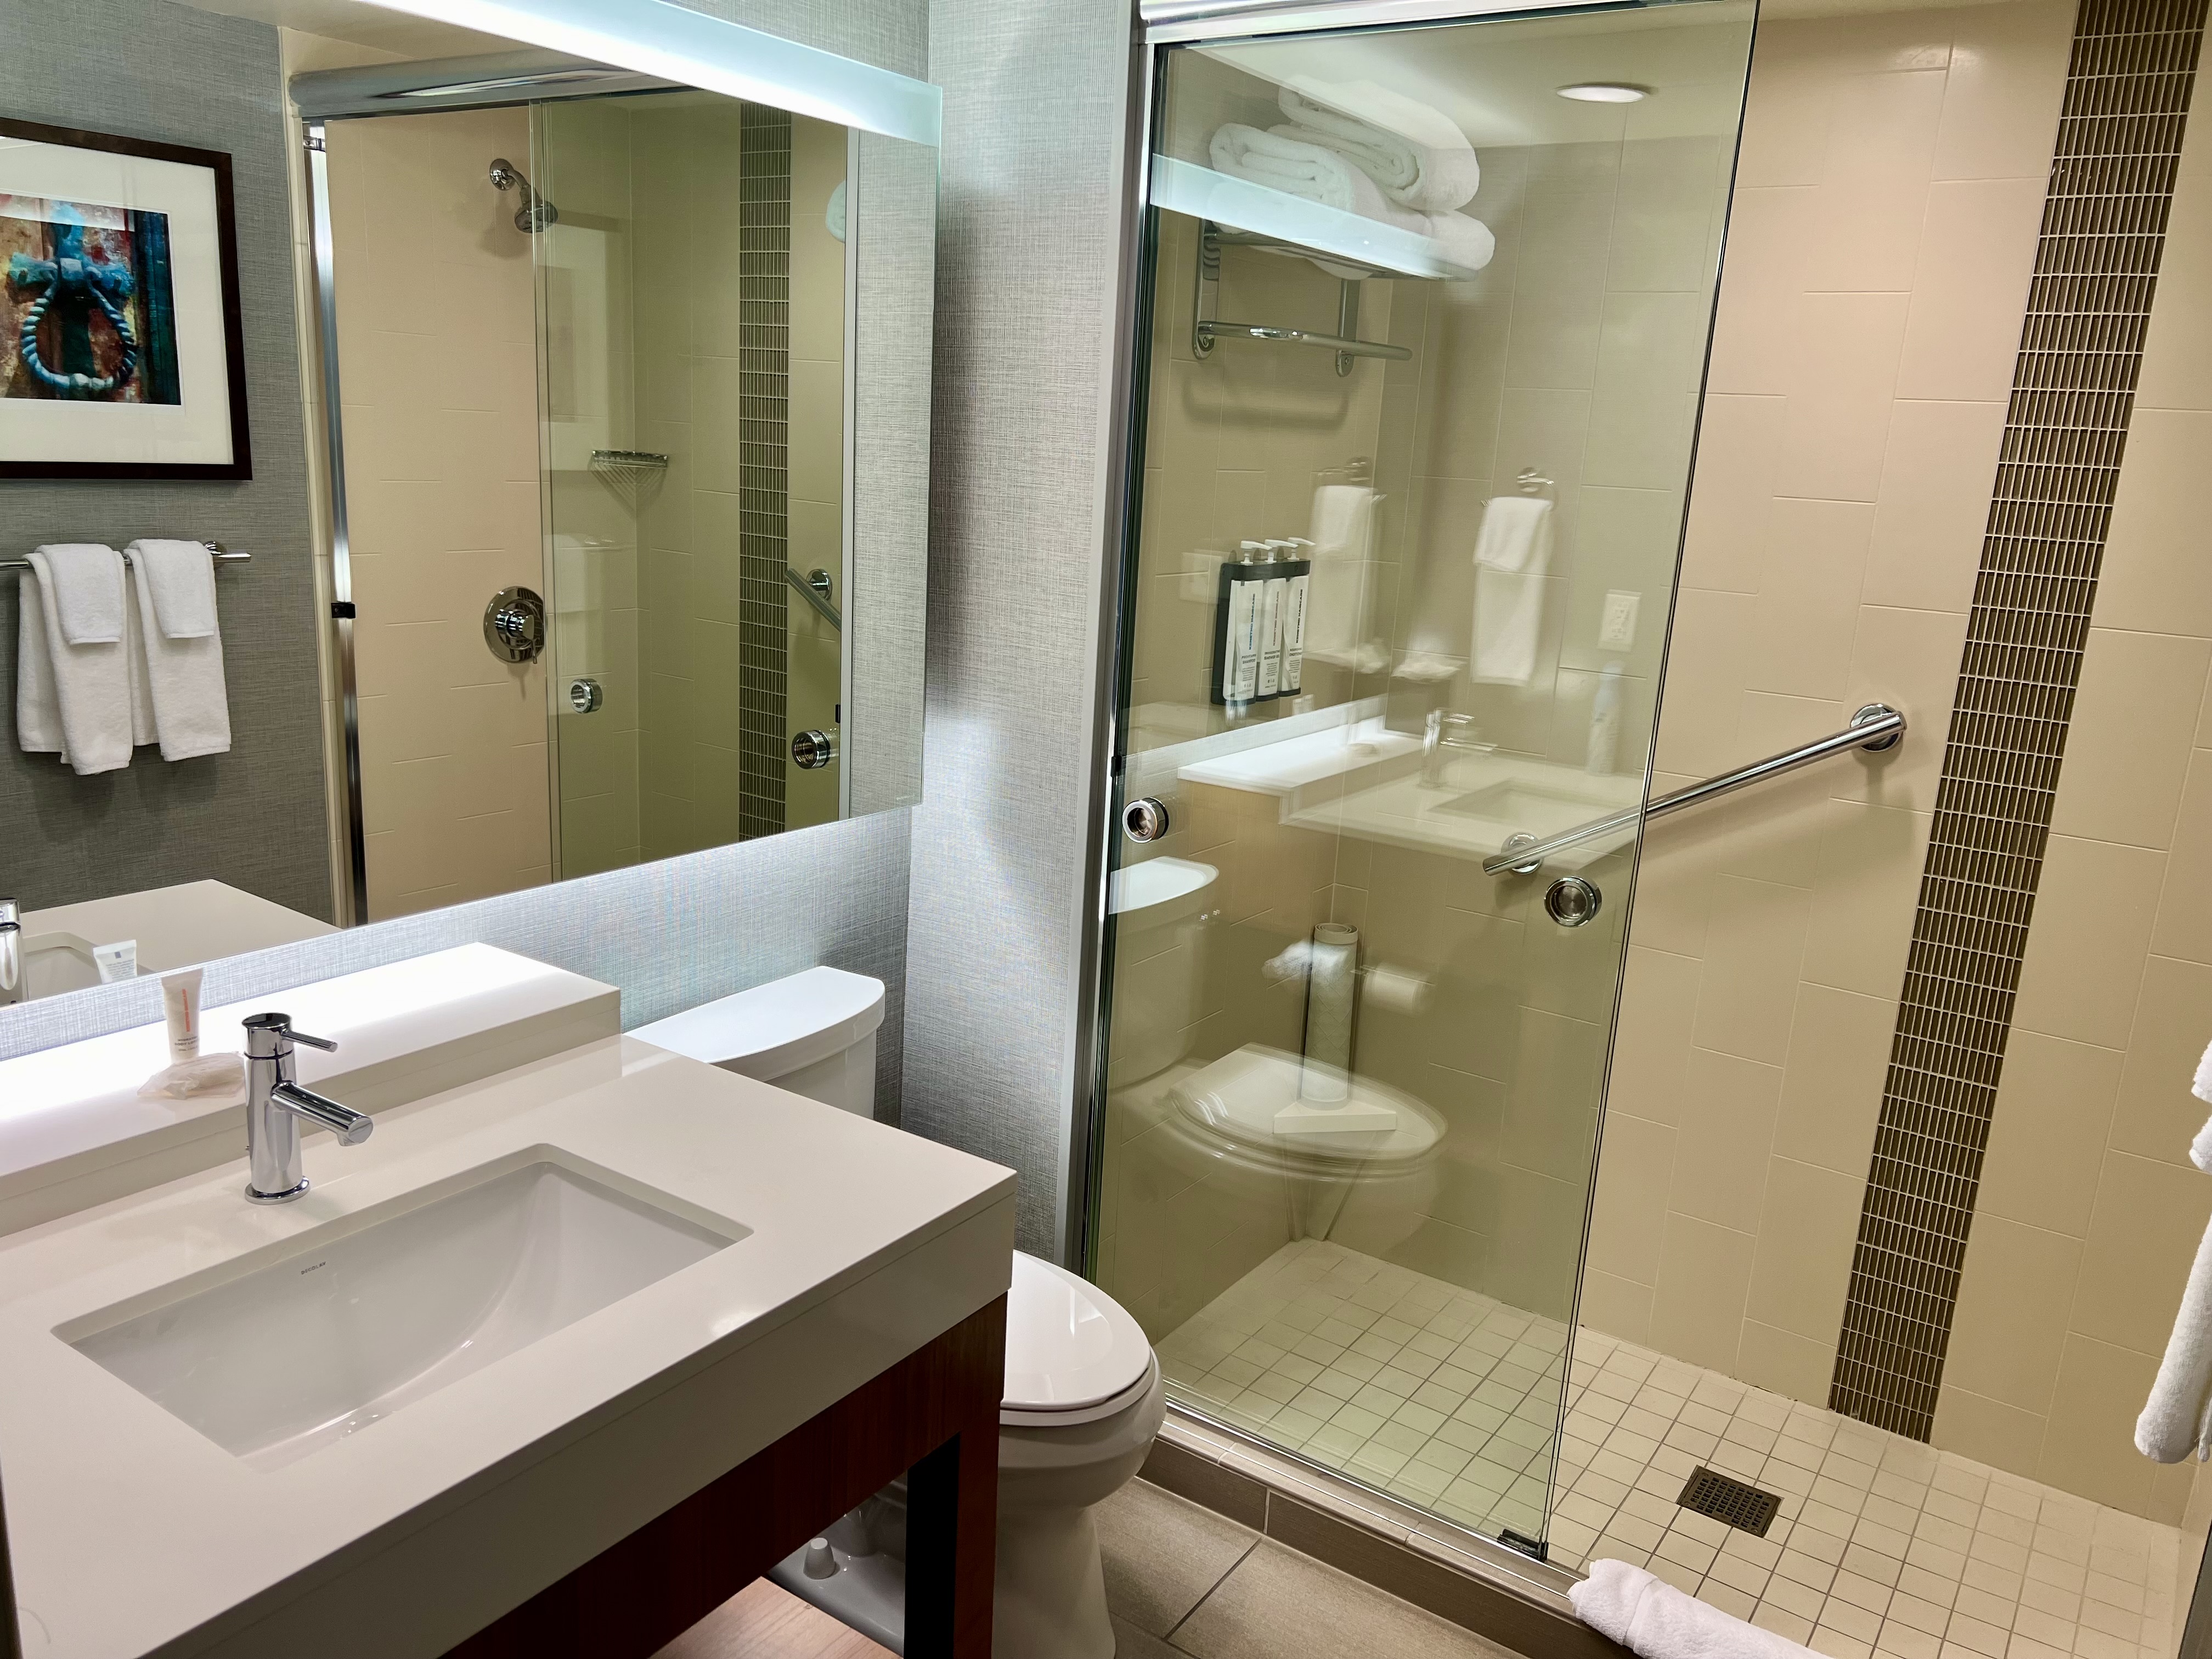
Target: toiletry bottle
[(1274, 583), (1297, 567), (1236, 654)]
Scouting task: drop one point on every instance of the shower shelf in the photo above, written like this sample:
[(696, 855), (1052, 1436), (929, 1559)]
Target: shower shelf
[(643, 460)]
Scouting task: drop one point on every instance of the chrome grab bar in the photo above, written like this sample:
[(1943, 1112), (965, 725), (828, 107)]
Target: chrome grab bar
[(1209, 328), (1875, 727)]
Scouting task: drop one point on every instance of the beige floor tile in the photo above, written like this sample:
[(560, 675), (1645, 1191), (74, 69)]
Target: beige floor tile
[(1280, 1605), (1163, 1553)]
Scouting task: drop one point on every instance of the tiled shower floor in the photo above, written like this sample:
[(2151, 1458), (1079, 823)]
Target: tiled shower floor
[(1447, 1398)]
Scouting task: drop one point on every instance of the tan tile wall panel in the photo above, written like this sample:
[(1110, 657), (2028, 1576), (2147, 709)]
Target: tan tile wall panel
[(436, 363), (2089, 1211), (1885, 207)]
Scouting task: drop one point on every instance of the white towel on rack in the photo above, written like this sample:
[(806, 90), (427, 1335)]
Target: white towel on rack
[(1340, 592), (2177, 1418), (1512, 553), (1651, 1617), (182, 576), (1415, 153), (91, 678), (38, 703), (183, 672), (1464, 241), (1306, 170)]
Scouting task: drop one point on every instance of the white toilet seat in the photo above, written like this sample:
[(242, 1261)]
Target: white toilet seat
[(1073, 1354)]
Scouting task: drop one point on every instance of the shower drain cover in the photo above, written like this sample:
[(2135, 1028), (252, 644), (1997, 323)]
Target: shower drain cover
[(1743, 1506)]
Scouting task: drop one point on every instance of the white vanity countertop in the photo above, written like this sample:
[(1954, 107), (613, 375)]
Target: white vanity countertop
[(176, 926), (131, 1531)]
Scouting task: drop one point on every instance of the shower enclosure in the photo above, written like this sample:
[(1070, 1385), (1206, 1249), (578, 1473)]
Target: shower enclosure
[(1420, 332)]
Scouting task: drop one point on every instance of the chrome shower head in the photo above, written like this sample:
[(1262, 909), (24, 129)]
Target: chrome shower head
[(536, 213)]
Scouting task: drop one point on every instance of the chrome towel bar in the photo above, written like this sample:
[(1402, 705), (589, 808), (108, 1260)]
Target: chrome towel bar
[(1875, 727), (221, 557)]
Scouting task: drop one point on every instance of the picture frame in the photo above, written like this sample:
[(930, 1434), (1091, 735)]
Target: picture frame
[(121, 255)]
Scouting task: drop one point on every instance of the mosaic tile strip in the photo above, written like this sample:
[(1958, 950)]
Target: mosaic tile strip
[(763, 464), (2127, 89)]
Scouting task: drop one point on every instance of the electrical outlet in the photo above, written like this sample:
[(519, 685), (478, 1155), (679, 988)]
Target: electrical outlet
[(1616, 627)]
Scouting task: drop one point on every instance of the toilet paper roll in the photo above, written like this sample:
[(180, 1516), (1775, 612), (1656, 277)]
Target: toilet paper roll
[(1331, 975)]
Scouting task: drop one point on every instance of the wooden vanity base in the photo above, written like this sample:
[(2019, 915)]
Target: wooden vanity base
[(935, 1413)]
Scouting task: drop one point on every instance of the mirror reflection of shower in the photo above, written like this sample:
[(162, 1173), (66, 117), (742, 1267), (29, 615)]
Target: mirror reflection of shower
[(536, 213)]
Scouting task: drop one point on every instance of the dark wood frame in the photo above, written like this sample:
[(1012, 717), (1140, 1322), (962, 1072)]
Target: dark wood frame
[(239, 467), (935, 1414)]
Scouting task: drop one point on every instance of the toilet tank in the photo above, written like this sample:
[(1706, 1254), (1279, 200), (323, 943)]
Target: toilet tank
[(813, 1033)]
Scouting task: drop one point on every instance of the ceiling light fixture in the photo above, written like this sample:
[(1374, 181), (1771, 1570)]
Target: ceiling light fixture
[(1605, 91)]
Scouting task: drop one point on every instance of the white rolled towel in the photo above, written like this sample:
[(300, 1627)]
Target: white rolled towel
[(1306, 170), (2176, 1419), (1649, 1617), (1416, 153), (1462, 241)]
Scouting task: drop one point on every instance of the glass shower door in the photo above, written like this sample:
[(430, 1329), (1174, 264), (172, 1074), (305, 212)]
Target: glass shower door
[(1428, 313)]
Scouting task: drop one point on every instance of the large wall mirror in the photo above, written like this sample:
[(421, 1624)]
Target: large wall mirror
[(431, 466)]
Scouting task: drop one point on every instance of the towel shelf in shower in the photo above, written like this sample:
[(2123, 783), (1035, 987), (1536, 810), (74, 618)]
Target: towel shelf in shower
[(220, 555), (1875, 727)]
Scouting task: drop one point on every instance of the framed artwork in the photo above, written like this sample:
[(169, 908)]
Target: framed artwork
[(120, 349)]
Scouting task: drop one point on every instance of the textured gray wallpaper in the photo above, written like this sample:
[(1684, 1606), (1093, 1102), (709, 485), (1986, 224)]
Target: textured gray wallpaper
[(1027, 240), (253, 816)]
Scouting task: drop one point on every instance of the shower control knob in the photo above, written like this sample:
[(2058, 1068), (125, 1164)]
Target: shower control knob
[(1571, 901), (812, 751), (1145, 820), (514, 624)]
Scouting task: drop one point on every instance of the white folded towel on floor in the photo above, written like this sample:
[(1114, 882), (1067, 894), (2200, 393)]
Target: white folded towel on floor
[(1414, 153), (1649, 1617), (2177, 1418), (183, 670), (1306, 170), (182, 577), (90, 675), (1512, 552)]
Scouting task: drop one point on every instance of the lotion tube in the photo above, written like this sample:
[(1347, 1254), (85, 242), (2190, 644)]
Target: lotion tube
[(180, 1005)]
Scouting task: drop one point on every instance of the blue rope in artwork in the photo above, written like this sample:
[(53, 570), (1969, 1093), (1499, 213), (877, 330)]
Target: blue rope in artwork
[(94, 284)]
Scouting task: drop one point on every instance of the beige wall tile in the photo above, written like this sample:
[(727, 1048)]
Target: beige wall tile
[(1651, 1038), (1704, 682), (2047, 1137), (1934, 504), (2007, 76), (1842, 377), (2127, 746), (1757, 321), (1798, 1367), (2010, 1324), (1989, 1431), (2094, 908), (1729, 542), (2157, 1116), (1870, 207), (1697, 1310), (2088, 1447), (1754, 948), (1910, 660), (1971, 289), (2177, 371), (1619, 1307), (1729, 1107), (1860, 922), (1807, 613), (2184, 928), (1807, 1230), (2149, 1218), (1628, 1216), (1832, 1082), (2155, 579)]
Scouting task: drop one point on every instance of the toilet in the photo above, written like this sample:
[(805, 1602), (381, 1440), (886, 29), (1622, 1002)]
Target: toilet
[(1083, 1398)]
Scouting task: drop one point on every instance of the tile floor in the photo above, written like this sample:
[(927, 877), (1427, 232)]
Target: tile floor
[(1883, 1546), (1181, 1582)]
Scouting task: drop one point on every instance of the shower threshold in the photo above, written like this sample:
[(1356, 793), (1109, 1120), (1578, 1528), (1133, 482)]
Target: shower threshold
[(1448, 1400)]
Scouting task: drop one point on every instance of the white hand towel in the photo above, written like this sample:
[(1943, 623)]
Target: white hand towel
[(182, 576), (92, 681), (85, 581), (1340, 592), (1431, 173), (1649, 1617), (2177, 1418), (37, 704), (1462, 241), (1511, 553), (1308, 171), (184, 676)]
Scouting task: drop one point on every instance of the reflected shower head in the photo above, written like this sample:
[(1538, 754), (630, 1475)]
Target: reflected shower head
[(536, 213)]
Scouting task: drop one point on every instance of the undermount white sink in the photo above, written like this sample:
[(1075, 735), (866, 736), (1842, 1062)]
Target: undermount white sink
[(353, 1322)]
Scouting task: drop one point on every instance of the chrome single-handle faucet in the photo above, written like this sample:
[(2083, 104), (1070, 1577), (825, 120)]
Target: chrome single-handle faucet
[(1439, 740), (275, 1106), (12, 965)]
